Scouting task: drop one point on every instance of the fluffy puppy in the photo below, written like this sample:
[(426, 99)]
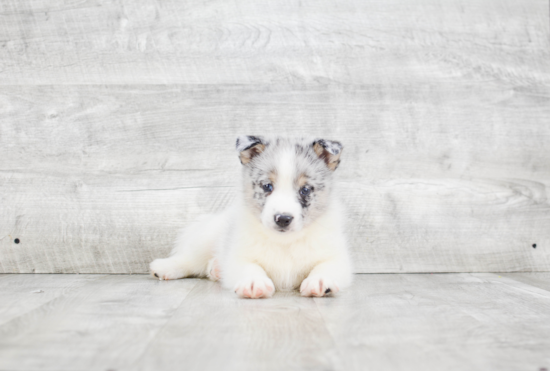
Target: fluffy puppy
[(285, 230)]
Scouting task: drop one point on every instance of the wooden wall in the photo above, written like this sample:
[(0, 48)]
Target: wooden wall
[(118, 120)]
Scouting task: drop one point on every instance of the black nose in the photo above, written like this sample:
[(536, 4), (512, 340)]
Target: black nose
[(283, 220)]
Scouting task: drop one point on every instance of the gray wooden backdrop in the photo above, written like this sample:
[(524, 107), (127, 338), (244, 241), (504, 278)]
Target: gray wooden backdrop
[(118, 120)]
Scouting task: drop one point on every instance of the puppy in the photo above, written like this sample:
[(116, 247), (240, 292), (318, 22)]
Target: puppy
[(284, 231)]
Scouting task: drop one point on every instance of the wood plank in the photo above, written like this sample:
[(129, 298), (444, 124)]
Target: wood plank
[(311, 41), (105, 324), (213, 330), (434, 322), (99, 179), (383, 322), (22, 294), (537, 279)]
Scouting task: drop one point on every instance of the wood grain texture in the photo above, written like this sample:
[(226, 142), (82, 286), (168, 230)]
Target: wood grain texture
[(23, 294), (117, 122), (214, 329), (105, 324), (219, 42), (434, 322), (413, 322), (537, 279), (436, 178)]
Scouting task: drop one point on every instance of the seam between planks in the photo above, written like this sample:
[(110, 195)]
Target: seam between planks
[(159, 330), (518, 285), (334, 344)]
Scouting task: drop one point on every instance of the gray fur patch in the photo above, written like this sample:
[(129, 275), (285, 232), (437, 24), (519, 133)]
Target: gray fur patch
[(331, 146), (245, 142)]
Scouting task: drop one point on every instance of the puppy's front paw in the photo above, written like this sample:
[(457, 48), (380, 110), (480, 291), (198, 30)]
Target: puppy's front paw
[(166, 269), (255, 288), (318, 286)]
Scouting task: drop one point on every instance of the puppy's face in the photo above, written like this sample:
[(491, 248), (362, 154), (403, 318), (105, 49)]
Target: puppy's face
[(287, 181)]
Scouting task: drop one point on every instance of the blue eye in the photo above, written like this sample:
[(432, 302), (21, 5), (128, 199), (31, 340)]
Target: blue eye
[(268, 188), (305, 191)]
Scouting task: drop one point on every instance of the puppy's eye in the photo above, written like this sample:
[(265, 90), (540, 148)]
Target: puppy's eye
[(268, 188), (305, 191)]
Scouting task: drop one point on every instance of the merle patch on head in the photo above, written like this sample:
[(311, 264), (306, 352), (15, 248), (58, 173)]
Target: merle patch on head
[(249, 146), (329, 151)]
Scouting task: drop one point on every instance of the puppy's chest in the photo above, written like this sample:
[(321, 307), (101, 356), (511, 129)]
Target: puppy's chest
[(286, 265)]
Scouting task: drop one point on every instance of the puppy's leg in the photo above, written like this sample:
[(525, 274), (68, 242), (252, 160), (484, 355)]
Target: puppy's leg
[(194, 248), (327, 278), (174, 267), (252, 282), (213, 270)]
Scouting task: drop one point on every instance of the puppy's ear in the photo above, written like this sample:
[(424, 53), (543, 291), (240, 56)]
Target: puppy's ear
[(249, 147), (328, 151)]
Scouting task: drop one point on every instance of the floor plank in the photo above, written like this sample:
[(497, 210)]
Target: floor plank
[(383, 322), (537, 279), (215, 330), (440, 322), (105, 324), (23, 293)]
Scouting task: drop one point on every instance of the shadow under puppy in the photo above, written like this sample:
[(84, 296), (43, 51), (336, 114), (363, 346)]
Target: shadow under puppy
[(284, 231)]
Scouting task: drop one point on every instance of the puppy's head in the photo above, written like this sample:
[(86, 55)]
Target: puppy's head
[(287, 181)]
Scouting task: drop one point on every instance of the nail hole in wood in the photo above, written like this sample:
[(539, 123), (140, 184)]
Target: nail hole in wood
[(16, 240), (534, 246)]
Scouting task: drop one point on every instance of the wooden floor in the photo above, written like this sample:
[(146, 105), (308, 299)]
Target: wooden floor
[(468, 321)]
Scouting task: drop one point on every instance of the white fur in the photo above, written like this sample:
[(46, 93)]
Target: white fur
[(283, 201), (253, 258)]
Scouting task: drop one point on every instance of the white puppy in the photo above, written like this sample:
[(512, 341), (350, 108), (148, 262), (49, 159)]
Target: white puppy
[(285, 230)]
